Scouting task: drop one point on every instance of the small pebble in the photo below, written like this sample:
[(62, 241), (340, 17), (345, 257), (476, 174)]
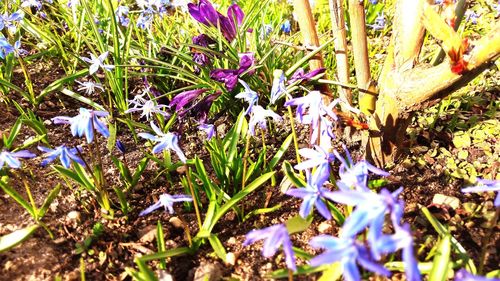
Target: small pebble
[(74, 216), (325, 227), (208, 271), (176, 222), (231, 258)]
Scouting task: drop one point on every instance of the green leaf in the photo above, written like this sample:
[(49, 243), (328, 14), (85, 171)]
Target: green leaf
[(50, 198), (306, 58), (18, 198), (122, 198), (83, 99), (281, 151), (140, 169), (59, 83), (11, 240), (301, 270), (261, 211), (122, 168), (219, 249), (297, 180), (14, 131), (166, 254), (234, 137), (298, 224), (145, 273), (441, 263), (237, 198), (74, 176), (160, 243)]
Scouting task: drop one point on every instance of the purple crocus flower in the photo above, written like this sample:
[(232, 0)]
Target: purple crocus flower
[(274, 236), (201, 58), (247, 60), (184, 98), (166, 201), (201, 109), (206, 14), (485, 186), (227, 76), (348, 251), (165, 141), (300, 75), (65, 155), (11, 159), (314, 193), (85, 123)]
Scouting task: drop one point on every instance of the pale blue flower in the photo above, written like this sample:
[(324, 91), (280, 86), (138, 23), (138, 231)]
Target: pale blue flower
[(275, 236), (148, 108), (85, 123), (11, 159), (96, 62), (379, 23), (89, 87), (259, 115), (10, 21), (316, 157), (314, 193), (65, 155), (166, 201), (349, 252), (165, 141), (121, 15), (278, 89), (464, 275), (486, 186), (209, 129), (5, 48), (286, 26), (248, 95)]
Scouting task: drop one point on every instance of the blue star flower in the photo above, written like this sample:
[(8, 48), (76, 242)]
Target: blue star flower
[(274, 236), (167, 201), (259, 115), (65, 155), (165, 141), (313, 193), (96, 62), (12, 158), (85, 123), (248, 95), (485, 186)]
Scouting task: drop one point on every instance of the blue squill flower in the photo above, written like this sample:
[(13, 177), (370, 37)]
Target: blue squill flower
[(85, 123), (121, 147), (11, 159), (259, 115), (486, 186), (464, 275), (89, 87), (286, 27), (379, 22), (209, 129), (165, 141), (10, 21), (98, 62), (349, 252), (275, 236), (248, 95), (148, 108), (65, 155), (313, 193), (121, 15), (166, 201), (5, 47), (370, 209), (316, 157), (278, 89)]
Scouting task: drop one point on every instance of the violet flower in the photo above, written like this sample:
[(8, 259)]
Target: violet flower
[(486, 186), (5, 47), (464, 275), (316, 157), (9, 21), (65, 155), (314, 193), (165, 141), (121, 15), (85, 123), (201, 58), (227, 76), (379, 23), (274, 236), (201, 109), (11, 159), (300, 75), (184, 98), (166, 201), (206, 14), (348, 251), (247, 60)]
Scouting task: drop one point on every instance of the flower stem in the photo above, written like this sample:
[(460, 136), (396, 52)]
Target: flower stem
[(247, 148), (294, 134)]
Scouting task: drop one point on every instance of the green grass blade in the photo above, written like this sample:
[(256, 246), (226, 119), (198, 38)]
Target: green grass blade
[(13, 239)]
